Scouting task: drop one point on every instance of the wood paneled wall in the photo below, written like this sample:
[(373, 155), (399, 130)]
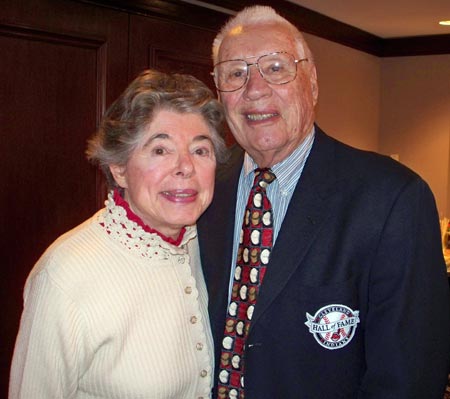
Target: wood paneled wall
[(62, 64)]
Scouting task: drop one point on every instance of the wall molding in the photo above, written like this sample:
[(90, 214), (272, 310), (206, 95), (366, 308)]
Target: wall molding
[(211, 14)]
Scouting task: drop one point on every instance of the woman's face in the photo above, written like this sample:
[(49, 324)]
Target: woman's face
[(169, 179)]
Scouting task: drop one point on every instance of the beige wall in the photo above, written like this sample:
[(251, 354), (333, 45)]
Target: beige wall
[(349, 93), (395, 105), (415, 118)]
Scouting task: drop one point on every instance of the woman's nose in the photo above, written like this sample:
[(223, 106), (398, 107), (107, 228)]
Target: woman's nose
[(185, 165)]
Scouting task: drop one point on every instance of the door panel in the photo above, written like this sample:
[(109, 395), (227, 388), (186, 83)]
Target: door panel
[(59, 72), (170, 47)]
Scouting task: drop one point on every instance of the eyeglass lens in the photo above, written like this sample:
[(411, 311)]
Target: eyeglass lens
[(278, 68)]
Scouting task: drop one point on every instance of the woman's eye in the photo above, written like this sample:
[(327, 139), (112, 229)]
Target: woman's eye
[(202, 151), (159, 151)]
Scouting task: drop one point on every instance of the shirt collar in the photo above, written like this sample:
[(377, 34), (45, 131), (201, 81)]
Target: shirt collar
[(287, 171)]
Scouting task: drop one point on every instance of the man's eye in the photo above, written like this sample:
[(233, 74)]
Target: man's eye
[(275, 68), (236, 74)]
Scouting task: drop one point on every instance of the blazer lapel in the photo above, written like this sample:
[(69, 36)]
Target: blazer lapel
[(308, 209)]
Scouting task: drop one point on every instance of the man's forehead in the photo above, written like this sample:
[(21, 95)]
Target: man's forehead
[(252, 41)]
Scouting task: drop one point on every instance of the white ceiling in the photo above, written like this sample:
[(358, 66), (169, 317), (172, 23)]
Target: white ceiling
[(386, 18)]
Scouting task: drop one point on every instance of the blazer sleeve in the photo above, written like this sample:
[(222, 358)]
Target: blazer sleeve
[(407, 331)]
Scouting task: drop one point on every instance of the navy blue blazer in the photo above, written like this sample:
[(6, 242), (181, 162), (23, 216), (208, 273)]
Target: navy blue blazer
[(355, 300)]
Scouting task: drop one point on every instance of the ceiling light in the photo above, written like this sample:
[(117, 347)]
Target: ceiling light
[(444, 22)]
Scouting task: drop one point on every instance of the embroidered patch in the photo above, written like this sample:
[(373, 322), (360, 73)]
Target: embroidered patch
[(333, 326)]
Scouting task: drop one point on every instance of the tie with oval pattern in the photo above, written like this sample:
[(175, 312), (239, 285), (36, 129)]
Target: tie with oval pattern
[(255, 244)]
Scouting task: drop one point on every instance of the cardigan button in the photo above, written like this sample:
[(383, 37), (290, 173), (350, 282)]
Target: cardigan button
[(193, 319), (188, 290)]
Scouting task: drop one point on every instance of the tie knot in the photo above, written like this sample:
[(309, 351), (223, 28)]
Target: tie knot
[(263, 177)]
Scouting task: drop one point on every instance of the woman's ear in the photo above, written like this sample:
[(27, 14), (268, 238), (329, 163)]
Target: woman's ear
[(119, 174)]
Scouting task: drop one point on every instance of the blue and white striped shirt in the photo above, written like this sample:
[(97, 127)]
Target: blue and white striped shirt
[(279, 192)]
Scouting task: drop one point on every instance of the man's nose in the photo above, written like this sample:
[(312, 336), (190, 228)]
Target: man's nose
[(256, 85)]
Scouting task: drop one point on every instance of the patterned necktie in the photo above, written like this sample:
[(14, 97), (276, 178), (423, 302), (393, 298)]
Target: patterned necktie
[(255, 244)]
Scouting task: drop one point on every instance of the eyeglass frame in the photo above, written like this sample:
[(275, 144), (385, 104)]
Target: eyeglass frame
[(296, 61)]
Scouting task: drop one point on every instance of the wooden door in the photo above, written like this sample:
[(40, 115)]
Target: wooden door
[(61, 65), (171, 47)]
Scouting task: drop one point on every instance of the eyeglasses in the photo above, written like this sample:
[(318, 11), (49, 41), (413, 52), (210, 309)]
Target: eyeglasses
[(275, 68)]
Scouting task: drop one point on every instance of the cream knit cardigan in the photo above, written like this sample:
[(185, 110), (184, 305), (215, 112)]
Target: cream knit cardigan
[(112, 311)]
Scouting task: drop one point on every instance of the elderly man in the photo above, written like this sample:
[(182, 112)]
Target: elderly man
[(334, 285)]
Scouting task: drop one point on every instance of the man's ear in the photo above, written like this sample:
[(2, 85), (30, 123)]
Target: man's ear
[(314, 85), (119, 174)]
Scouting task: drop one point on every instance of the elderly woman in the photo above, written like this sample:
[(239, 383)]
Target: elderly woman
[(117, 307)]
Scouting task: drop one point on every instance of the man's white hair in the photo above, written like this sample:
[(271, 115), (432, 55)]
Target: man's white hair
[(260, 15)]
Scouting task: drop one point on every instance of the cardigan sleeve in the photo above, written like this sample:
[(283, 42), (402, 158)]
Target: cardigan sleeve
[(51, 346)]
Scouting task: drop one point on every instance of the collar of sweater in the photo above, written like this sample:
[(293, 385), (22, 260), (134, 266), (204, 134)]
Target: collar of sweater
[(122, 224)]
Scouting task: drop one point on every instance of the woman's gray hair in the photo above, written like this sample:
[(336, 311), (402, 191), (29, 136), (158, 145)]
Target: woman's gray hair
[(125, 122), (260, 15)]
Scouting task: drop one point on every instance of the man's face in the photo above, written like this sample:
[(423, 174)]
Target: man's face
[(269, 121)]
